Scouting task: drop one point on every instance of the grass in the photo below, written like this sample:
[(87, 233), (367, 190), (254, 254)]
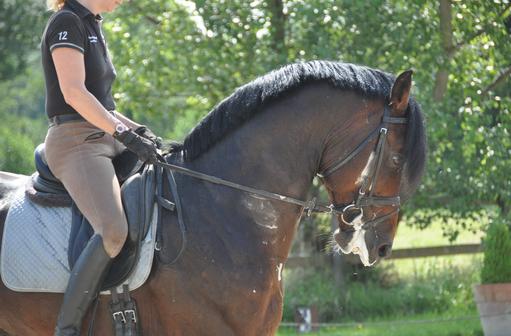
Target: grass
[(408, 236), (412, 269), (423, 296), (389, 290), (418, 325)]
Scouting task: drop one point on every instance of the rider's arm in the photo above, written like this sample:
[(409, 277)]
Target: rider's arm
[(70, 67)]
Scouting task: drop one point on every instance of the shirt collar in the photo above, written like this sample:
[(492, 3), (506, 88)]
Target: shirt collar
[(80, 10)]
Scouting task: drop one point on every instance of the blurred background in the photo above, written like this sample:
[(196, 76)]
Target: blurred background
[(176, 59)]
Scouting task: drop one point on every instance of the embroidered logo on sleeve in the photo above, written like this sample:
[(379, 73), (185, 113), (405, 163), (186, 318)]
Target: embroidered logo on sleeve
[(93, 39), (62, 36)]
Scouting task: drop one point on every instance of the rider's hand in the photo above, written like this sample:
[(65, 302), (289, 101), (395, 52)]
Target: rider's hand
[(145, 132), (144, 148)]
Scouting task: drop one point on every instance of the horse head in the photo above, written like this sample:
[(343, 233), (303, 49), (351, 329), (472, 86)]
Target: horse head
[(364, 186)]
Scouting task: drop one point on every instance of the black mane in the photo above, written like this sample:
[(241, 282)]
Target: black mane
[(250, 98)]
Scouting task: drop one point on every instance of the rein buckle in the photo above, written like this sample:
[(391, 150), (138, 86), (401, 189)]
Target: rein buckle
[(132, 314), (119, 314), (311, 205), (331, 208)]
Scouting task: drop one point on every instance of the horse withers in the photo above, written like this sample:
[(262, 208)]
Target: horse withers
[(355, 127)]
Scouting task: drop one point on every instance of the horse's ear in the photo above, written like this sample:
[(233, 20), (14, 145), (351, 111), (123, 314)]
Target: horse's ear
[(401, 92)]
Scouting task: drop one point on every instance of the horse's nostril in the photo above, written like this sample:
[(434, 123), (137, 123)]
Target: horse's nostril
[(384, 250)]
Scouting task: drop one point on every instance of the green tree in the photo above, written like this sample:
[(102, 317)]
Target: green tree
[(20, 32), (15, 139)]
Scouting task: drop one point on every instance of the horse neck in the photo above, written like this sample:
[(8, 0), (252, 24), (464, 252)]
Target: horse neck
[(278, 150)]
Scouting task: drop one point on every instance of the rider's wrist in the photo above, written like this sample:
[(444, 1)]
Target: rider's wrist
[(119, 129)]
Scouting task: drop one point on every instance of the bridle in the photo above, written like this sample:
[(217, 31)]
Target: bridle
[(366, 196)]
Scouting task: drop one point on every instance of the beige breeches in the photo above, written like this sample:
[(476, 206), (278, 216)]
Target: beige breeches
[(80, 155)]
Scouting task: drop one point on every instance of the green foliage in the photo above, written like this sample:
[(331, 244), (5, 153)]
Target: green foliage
[(20, 30), (23, 124), (18, 137), (21, 83), (452, 222), (312, 288), (497, 254), (23, 96), (381, 293), (17, 156)]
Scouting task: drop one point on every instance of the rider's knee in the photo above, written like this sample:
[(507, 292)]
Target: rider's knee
[(114, 239)]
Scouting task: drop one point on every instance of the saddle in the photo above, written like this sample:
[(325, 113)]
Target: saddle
[(45, 233), (138, 189)]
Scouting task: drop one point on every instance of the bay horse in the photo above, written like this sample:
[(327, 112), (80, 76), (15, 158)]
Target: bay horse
[(357, 128)]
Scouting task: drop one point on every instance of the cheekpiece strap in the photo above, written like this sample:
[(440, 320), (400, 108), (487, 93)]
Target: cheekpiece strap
[(395, 120), (378, 201)]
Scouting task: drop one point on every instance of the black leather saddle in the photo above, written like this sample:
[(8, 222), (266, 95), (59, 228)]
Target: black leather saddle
[(138, 188)]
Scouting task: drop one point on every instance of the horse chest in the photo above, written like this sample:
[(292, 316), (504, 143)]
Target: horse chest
[(234, 302)]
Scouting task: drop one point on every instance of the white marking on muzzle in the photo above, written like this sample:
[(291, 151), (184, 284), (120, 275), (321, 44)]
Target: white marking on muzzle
[(358, 246)]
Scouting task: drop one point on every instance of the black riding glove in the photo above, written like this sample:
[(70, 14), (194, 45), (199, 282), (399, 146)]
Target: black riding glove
[(145, 132), (144, 148)]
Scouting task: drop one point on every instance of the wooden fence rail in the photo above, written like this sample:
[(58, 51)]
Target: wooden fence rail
[(417, 252)]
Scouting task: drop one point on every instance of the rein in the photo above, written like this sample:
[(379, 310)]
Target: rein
[(310, 206), (365, 195)]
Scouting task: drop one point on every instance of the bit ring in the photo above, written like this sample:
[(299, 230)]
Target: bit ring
[(351, 207)]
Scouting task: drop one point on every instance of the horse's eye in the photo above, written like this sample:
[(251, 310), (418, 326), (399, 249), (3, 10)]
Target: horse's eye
[(396, 160)]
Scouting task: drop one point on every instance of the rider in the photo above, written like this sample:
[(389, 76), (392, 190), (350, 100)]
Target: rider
[(85, 134)]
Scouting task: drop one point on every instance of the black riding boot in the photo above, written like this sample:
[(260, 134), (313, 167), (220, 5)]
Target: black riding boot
[(84, 284)]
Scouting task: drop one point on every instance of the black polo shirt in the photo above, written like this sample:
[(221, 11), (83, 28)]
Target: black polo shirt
[(74, 26)]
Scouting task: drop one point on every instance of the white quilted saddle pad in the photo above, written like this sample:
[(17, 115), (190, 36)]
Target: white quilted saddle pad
[(33, 257)]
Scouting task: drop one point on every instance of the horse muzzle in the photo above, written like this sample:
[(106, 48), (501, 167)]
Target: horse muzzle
[(364, 243)]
